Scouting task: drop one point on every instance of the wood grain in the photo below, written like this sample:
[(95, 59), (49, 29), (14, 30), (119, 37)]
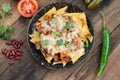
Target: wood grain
[(98, 27), (89, 71), (29, 69)]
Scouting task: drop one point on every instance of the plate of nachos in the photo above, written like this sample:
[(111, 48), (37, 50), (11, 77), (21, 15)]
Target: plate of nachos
[(60, 35)]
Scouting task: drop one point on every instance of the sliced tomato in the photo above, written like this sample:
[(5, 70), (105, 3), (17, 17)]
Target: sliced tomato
[(27, 8)]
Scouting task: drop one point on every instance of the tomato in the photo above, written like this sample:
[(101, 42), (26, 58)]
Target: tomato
[(27, 8)]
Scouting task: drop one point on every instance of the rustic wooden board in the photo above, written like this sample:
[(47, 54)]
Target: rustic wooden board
[(29, 69)]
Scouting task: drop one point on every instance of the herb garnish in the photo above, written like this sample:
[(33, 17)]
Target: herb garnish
[(69, 25), (5, 31), (67, 45), (54, 21), (45, 42), (55, 33), (59, 42)]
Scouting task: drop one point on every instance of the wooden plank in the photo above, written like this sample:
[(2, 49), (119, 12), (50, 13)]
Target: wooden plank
[(16, 71), (112, 69), (16, 34), (96, 22), (90, 67), (30, 70)]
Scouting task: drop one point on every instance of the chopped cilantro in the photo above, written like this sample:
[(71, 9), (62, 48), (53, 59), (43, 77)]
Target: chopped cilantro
[(54, 21), (67, 45), (45, 42), (55, 33), (66, 36), (69, 25), (59, 42)]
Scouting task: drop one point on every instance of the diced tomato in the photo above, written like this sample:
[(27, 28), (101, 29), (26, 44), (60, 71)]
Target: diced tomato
[(75, 39)]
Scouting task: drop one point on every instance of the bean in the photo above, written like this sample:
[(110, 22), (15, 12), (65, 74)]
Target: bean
[(18, 58), (19, 50), (11, 57), (3, 51), (20, 41), (6, 51), (19, 45), (12, 49), (13, 53), (7, 54), (12, 40), (18, 54), (15, 46), (11, 62), (8, 43)]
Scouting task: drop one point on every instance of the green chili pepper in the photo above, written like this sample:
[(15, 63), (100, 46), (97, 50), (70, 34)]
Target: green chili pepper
[(87, 1), (87, 43), (94, 4), (105, 47)]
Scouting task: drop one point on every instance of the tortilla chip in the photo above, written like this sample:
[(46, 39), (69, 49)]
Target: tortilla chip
[(84, 30), (62, 10), (64, 63), (48, 58), (58, 62), (76, 56), (33, 37), (48, 14)]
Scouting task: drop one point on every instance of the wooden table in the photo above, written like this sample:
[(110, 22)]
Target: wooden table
[(29, 69)]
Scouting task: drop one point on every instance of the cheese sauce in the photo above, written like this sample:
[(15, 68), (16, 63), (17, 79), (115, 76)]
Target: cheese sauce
[(62, 31)]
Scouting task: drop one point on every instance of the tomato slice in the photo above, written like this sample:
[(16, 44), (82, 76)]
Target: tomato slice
[(27, 8)]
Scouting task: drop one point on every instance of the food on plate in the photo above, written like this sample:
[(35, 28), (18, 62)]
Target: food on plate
[(92, 4), (27, 8), (61, 36)]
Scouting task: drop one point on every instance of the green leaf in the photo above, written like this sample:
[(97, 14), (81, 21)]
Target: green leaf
[(59, 42), (10, 29), (6, 7), (67, 45), (69, 25), (54, 21), (0, 15), (45, 42), (2, 30), (55, 33), (8, 14), (6, 36)]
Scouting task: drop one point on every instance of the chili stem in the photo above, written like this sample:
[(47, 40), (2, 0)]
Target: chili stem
[(104, 20)]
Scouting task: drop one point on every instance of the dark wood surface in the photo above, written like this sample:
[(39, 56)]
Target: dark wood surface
[(29, 69)]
